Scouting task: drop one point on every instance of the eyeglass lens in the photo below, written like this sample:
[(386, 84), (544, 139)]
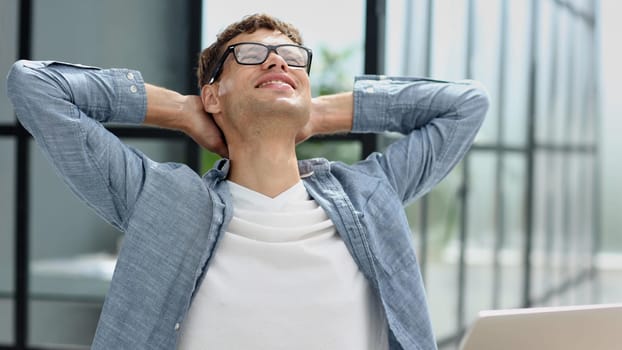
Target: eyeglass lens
[(252, 53)]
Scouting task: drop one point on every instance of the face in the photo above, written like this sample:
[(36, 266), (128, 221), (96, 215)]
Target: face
[(270, 96)]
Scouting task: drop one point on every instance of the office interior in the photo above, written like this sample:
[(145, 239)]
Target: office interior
[(527, 219)]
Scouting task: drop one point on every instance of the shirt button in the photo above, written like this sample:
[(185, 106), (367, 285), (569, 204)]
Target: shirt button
[(133, 89), (177, 326), (130, 76)]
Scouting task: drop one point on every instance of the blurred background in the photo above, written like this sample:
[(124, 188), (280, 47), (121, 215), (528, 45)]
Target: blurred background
[(529, 218)]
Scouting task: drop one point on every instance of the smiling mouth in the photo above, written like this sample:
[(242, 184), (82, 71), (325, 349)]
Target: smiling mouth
[(273, 82)]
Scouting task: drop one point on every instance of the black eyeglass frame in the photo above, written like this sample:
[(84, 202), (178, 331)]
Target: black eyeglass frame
[(218, 70)]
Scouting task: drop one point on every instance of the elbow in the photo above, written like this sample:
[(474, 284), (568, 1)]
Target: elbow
[(482, 97), (22, 84), (30, 78), (20, 87), (476, 101), (29, 88), (18, 80)]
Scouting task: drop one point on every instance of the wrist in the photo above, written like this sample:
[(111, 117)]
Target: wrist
[(334, 113), (316, 119), (185, 111), (166, 108)]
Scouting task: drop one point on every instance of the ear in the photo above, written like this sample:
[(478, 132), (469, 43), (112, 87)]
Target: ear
[(209, 97)]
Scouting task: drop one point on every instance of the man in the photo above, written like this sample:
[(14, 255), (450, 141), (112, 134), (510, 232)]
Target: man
[(264, 251)]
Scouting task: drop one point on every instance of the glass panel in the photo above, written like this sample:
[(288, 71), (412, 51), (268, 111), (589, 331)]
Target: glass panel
[(540, 251), (593, 96), (443, 253), (449, 40), (583, 293), (405, 38), (73, 251), (148, 35), (555, 100), (7, 215), (586, 208), (545, 79), (337, 54), (568, 222), (610, 144), (585, 82), (513, 221), (480, 249), (6, 321), (549, 231), (565, 180), (610, 278), (573, 101), (7, 244), (576, 86), (558, 253), (62, 324), (517, 74), (345, 151), (485, 62), (574, 216), (8, 41), (563, 74), (581, 242), (589, 253)]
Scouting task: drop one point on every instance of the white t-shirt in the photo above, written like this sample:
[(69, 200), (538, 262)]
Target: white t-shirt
[(282, 278)]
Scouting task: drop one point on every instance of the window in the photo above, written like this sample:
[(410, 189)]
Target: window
[(71, 261), (513, 224)]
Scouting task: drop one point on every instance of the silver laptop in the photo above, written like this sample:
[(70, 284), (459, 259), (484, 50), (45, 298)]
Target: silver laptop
[(587, 327)]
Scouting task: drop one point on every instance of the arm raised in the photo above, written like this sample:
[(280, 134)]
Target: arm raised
[(330, 114), (438, 118), (63, 105), (171, 110)]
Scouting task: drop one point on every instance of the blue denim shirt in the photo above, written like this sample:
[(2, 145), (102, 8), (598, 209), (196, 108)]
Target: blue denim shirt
[(173, 218)]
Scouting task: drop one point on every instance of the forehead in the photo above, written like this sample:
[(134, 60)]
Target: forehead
[(264, 36)]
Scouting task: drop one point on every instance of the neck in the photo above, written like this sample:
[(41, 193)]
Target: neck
[(269, 167)]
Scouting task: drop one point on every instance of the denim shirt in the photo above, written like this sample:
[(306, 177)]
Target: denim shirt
[(172, 218)]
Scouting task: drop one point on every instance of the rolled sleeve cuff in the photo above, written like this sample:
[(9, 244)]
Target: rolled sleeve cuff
[(370, 103), (132, 98), (106, 95)]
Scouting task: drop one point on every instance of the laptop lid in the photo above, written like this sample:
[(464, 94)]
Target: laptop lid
[(593, 327)]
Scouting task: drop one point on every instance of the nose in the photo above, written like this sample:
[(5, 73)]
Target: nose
[(275, 60)]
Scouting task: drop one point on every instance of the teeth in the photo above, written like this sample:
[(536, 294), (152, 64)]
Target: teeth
[(272, 82)]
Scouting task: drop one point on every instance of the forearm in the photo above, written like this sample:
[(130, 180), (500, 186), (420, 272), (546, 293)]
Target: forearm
[(405, 104), (171, 110), (333, 113), (440, 121), (62, 105), (43, 93), (166, 108)]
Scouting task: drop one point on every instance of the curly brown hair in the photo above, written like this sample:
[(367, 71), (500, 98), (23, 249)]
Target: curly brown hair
[(249, 24)]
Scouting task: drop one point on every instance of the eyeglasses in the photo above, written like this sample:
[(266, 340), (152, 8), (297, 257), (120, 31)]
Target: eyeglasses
[(257, 53)]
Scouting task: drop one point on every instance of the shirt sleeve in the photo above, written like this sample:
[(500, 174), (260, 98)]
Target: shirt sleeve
[(440, 120), (63, 105)]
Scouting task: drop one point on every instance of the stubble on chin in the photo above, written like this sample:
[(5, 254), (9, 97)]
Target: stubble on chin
[(279, 113)]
